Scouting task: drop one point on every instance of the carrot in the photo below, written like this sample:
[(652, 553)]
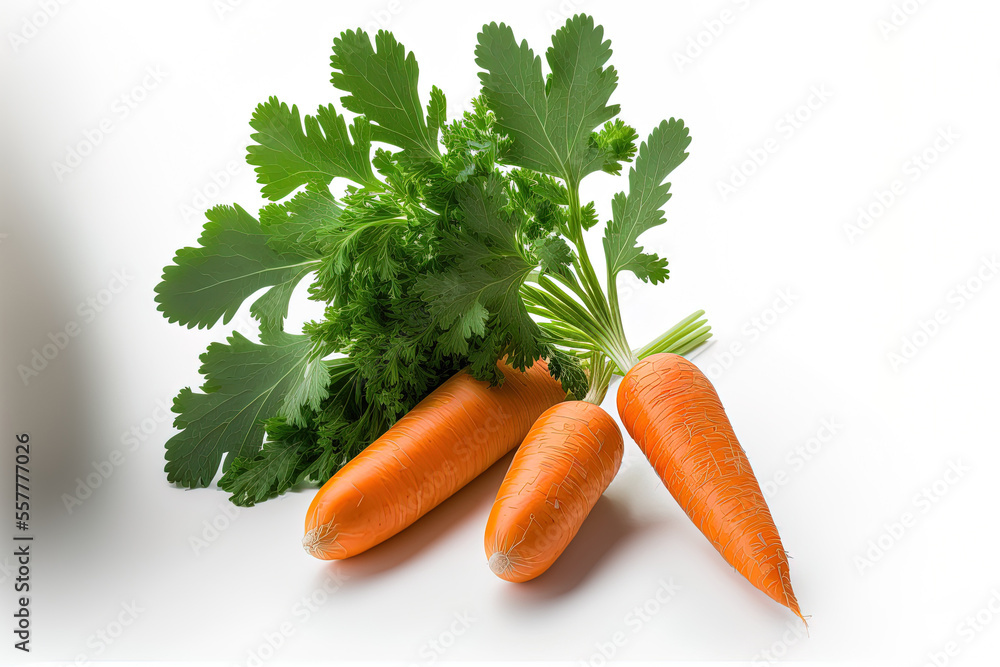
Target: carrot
[(559, 472), (455, 433), (673, 412)]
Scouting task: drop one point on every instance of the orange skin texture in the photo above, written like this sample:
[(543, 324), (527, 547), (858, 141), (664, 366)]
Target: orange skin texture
[(674, 414), (455, 433), (565, 463)]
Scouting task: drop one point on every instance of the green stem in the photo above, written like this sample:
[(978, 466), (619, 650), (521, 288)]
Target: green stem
[(661, 343), (604, 311), (588, 319), (564, 308), (600, 378), (587, 275), (694, 343)]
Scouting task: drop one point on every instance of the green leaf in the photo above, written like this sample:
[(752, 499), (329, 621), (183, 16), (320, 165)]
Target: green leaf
[(382, 85), (588, 216), (641, 209), (245, 383), (286, 157), (550, 121), (554, 255), (365, 235), (299, 224), (288, 456), (469, 322), (551, 189), (481, 290), (314, 222), (567, 369), (617, 143), (306, 392), (234, 260), (437, 112)]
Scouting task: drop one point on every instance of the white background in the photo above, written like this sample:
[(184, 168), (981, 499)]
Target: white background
[(899, 427)]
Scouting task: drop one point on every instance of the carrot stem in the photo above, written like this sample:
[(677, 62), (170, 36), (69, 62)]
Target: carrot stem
[(692, 342), (601, 373), (587, 319), (673, 336)]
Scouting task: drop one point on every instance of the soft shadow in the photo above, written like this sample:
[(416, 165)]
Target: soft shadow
[(474, 497), (606, 526), (40, 286)]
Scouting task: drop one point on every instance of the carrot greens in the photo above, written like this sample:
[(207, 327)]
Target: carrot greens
[(455, 243)]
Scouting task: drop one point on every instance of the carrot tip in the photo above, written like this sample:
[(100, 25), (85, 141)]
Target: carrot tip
[(499, 563), (312, 543)]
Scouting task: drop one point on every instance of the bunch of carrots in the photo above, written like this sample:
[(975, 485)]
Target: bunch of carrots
[(459, 286), (567, 451)]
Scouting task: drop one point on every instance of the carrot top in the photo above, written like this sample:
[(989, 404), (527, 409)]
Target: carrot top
[(456, 242), (525, 226)]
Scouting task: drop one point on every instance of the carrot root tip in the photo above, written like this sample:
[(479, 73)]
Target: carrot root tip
[(499, 563), (312, 543)]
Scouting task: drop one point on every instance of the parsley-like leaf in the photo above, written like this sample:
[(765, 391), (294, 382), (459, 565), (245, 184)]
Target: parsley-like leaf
[(234, 260), (382, 85), (482, 289), (567, 369), (437, 112), (286, 157), (554, 255), (365, 234), (298, 225), (641, 209), (550, 121), (588, 216), (245, 383), (289, 456), (617, 143)]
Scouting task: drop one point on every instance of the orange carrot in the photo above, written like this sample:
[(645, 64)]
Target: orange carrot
[(673, 412), (454, 434), (564, 465)]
